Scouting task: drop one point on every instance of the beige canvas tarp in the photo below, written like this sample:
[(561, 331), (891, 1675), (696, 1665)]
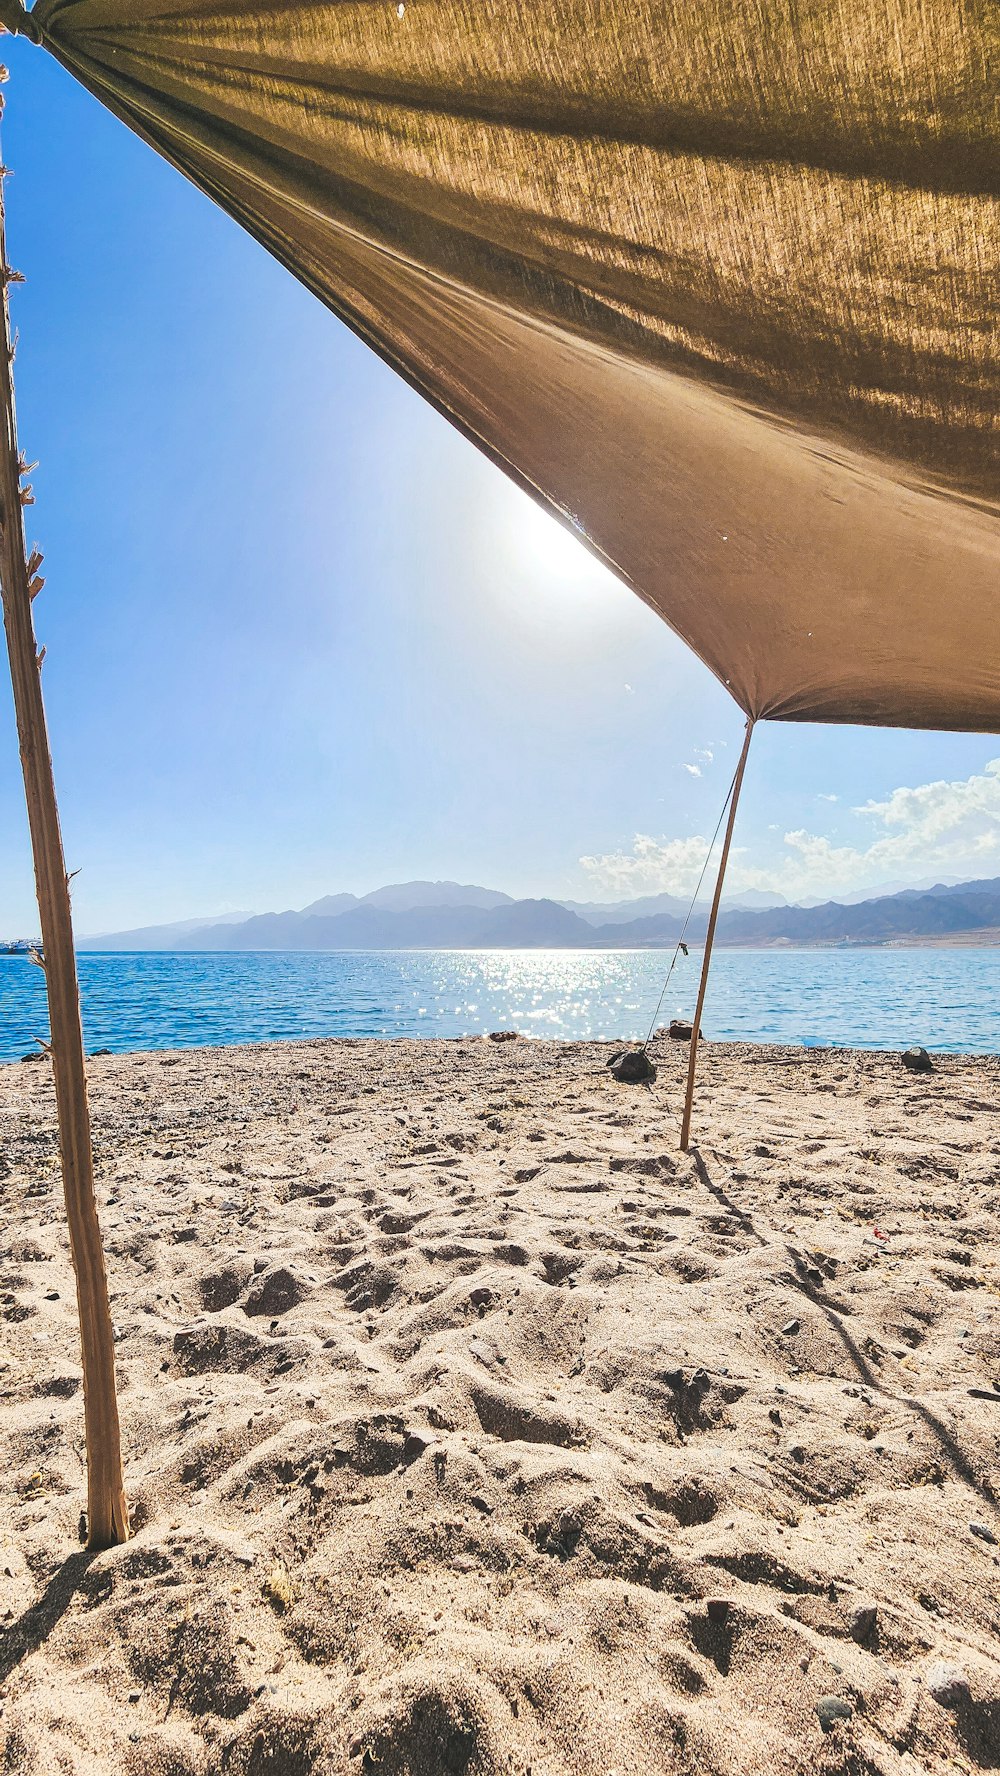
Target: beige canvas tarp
[(718, 282)]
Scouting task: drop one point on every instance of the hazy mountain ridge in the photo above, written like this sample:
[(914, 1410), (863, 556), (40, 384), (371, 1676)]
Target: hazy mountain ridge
[(650, 905), (519, 924), (451, 915), (264, 930)]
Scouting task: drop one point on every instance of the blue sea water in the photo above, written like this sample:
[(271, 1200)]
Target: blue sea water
[(947, 999)]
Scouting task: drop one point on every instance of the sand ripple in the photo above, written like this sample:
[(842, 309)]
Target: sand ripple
[(471, 1428)]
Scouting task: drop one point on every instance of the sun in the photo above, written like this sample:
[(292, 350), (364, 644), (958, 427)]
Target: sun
[(551, 545), (547, 577)]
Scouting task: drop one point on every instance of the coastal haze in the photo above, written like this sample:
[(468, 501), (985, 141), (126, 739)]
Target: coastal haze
[(453, 915)]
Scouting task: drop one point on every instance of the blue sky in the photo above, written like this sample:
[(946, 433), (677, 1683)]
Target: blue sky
[(302, 637)]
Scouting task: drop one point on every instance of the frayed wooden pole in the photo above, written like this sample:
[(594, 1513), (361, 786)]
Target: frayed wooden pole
[(107, 1515), (710, 939)]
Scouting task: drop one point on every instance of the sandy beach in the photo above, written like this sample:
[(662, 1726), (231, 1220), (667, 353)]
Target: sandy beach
[(470, 1428)]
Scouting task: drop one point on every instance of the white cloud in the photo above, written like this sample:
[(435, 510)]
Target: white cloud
[(827, 798), (705, 753), (695, 770), (651, 866), (946, 828)]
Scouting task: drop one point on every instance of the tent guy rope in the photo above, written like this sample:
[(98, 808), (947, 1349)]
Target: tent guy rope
[(107, 1514), (710, 939), (681, 944)]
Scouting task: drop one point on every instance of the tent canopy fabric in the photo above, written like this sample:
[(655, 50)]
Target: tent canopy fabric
[(718, 283)]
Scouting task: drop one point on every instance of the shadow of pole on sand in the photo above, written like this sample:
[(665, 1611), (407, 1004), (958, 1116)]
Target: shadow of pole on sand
[(949, 1444), (27, 1634)]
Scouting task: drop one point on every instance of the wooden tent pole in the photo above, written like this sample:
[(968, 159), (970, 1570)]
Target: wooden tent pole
[(107, 1516), (710, 939)]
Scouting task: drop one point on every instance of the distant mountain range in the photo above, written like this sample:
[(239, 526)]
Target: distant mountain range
[(453, 915)]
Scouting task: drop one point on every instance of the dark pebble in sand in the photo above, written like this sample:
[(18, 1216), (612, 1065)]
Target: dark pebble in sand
[(634, 1067), (917, 1060), (863, 1621), (718, 1610), (983, 1531), (790, 1328), (832, 1709)]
